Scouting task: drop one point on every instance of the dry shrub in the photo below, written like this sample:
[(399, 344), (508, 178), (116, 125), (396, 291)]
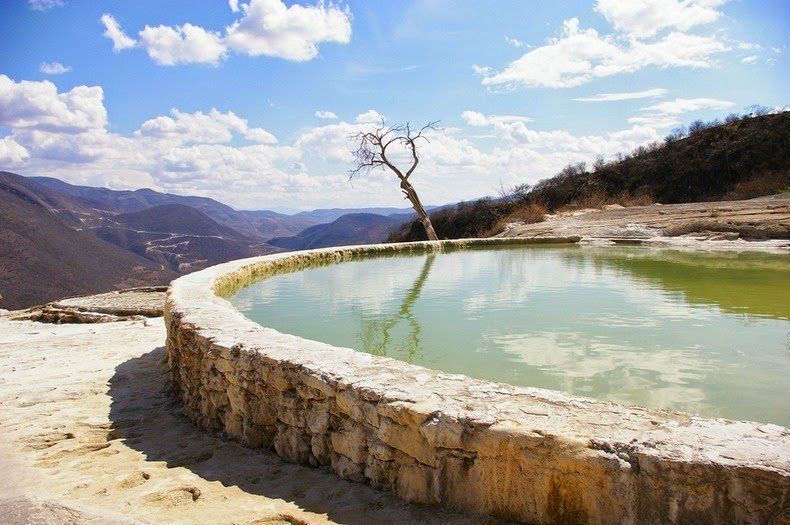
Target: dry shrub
[(529, 214), (760, 186), (595, 199), (642, 199)]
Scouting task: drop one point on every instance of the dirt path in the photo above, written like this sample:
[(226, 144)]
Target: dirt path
[(89, 433)]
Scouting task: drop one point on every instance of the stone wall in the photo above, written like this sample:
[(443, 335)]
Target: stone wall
[(524, 454)]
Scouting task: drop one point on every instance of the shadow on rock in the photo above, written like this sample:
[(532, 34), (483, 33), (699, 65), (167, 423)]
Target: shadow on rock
[(148, 418)]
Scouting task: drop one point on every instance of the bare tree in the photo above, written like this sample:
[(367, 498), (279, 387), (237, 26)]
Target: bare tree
[(371, 154)]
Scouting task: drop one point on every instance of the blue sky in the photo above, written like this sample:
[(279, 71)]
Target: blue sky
[(516, 85)]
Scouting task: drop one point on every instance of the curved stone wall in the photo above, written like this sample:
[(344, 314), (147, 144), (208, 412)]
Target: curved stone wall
[(524, 454)]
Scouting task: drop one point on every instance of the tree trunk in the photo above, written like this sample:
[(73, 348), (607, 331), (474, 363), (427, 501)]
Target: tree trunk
[(408, 189)]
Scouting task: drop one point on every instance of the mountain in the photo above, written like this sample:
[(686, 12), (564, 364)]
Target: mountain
[(42, 257), (349, 229), (262, 224), (328, 215), (176, 218), (175, 235)]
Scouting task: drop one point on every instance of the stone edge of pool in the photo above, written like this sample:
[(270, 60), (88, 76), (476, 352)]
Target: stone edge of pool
[(435, 438)]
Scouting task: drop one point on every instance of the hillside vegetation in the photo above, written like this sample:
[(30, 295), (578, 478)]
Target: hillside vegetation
[(745, 157)]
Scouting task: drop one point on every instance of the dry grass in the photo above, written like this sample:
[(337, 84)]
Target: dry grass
[(766, 184), (529, 214)]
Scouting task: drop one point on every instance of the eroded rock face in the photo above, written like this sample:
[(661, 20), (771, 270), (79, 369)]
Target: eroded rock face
[(518, 453)]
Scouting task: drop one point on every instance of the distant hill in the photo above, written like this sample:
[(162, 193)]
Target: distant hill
[(261, 224), (746, 157), (43, 258), (177, 236), (176, 218), (349, 229), (328, 215)]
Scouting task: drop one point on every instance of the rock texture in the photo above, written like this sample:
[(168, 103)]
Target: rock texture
[(524, 454), (766, 219), (91, 434), (121, 305)]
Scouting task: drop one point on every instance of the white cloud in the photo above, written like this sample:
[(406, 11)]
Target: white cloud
[(645, 18), (749, 60), (44, 5), (515, 42), (260, 136), (371, 116), (686, 105), (38, 105), (213, 127), (749, 46), (666, 114), (325, 115), (266, 27), (474, 118), (184, 44), (612, 97), (269, 27), (113, 31), (53, 68), (11, 152), (578, 56)]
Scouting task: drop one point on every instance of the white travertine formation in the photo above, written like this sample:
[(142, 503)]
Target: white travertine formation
[(524, 454)]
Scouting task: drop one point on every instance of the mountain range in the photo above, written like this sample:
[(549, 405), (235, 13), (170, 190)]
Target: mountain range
[(60, 239)]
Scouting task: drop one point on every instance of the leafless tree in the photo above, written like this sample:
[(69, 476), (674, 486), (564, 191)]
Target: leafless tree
[(372, 151)]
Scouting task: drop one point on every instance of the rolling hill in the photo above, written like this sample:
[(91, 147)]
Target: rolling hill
[(262, 224), (349, 229), (178, 236), (43, 258)]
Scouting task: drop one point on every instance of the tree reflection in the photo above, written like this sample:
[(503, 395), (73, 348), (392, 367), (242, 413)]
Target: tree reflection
[(376, 334)]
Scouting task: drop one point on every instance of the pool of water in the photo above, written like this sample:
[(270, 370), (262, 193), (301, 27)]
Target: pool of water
[(696, 332)]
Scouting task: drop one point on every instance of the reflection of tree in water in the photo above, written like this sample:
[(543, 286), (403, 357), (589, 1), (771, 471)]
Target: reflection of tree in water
[(375, 333)]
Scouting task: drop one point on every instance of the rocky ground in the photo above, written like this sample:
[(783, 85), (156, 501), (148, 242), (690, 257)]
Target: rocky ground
[(90, 434), (733, 223)]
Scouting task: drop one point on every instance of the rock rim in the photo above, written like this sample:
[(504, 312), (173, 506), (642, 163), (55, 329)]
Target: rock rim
[(524, 454)]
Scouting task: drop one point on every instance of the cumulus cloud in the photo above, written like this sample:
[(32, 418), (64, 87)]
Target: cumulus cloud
[(269, 27), (266, 27), (53, 68), (613, 97), (475, 118), (11, 152), (185, 44), (645, 18), (44, 5), (113, 31), (370, 116), (213, 127), (749, 60), (580, 55), (38, 105), (325, 115)]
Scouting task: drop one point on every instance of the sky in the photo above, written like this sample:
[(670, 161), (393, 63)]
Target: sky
[(254, 102)]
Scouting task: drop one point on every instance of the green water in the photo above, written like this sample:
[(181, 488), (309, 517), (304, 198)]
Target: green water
[(696, 332)]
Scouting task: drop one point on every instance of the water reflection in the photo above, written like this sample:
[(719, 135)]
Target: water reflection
[(706, 333), (375, 334)]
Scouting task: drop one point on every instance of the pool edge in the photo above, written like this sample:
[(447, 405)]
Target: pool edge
[(435, 438)]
